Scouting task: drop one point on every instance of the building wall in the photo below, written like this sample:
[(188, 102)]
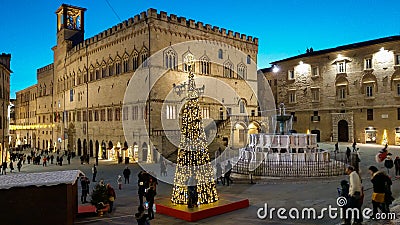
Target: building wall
[(76, 91), (331, 107), (5, 72)]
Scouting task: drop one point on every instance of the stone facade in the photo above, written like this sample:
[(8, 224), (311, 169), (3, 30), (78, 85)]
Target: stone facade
[(5, 71), (346, 93), (81, 94)]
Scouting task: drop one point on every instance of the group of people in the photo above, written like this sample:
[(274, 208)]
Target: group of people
[(353, 191), (147, 184)]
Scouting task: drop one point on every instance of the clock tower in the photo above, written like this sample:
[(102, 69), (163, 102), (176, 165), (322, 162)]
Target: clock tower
[(70, 25)]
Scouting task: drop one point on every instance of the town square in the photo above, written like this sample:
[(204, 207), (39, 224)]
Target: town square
[(120, 112)]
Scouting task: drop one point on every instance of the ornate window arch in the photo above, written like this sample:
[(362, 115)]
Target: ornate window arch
[(187, 57), (242, 105), (170, 59), (395, 82), (242, 71), (228, 69), (369, 85), (205, 65), (125, 63), (144, 54), (135, 59), (111, 66)]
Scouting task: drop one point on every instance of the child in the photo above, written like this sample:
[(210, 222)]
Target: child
[(119, 181)]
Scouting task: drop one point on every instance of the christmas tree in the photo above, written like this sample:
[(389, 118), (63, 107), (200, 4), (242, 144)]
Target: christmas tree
[(193, 167)]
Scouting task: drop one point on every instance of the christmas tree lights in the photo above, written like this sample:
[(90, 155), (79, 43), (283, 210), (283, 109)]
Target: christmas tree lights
[(193, 162)]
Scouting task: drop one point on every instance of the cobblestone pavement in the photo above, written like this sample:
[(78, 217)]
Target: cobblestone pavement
[(287, 193)]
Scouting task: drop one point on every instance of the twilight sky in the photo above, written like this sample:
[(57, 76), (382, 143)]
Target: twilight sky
[(285, 28)]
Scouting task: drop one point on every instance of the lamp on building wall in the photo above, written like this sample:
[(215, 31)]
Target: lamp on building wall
[(275, 68)]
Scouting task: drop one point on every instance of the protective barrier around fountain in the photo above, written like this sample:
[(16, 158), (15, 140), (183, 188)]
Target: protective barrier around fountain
[(294, 155)]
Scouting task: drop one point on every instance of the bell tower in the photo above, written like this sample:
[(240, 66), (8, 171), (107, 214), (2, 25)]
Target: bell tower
[(70, 25)]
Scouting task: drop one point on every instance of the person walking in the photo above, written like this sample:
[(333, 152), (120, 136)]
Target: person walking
[(228, 171), (382, 195), (336, 147), (397, 166), (218, 174), (355, 194), (163, 168), (127, 174), (119, 182), (111, 197), (4, 168), (94, 172), (354, 146)]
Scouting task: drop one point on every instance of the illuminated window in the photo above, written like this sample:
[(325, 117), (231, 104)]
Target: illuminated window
[(292, 96), (291, 74), (315, 94), (315, 71), (368, 90), (205, 112), (368, 63), (171, 112), (341, 67)]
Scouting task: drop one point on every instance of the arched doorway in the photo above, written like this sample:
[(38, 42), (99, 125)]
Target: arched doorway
[(343, 131), (91, 148), (85, 150), (96, 147), (144, 152), (104, 150), (79, 147), (318, 133), (136, 151)]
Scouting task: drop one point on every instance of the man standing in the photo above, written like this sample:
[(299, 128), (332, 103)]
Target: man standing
[(126, 173), (94, 172), (4, 168), (143, 184), (85, 188), (355, 195)]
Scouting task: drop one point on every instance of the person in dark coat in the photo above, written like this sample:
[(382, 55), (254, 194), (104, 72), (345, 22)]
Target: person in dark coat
[(4, 168), (348, 153), (143, 184), (11, 166), (85, 188), (150, 194), (388, 164), (382, 194), (397, 166), (127, 174)]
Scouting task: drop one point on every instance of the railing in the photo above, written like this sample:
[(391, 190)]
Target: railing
[(318, 164)]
